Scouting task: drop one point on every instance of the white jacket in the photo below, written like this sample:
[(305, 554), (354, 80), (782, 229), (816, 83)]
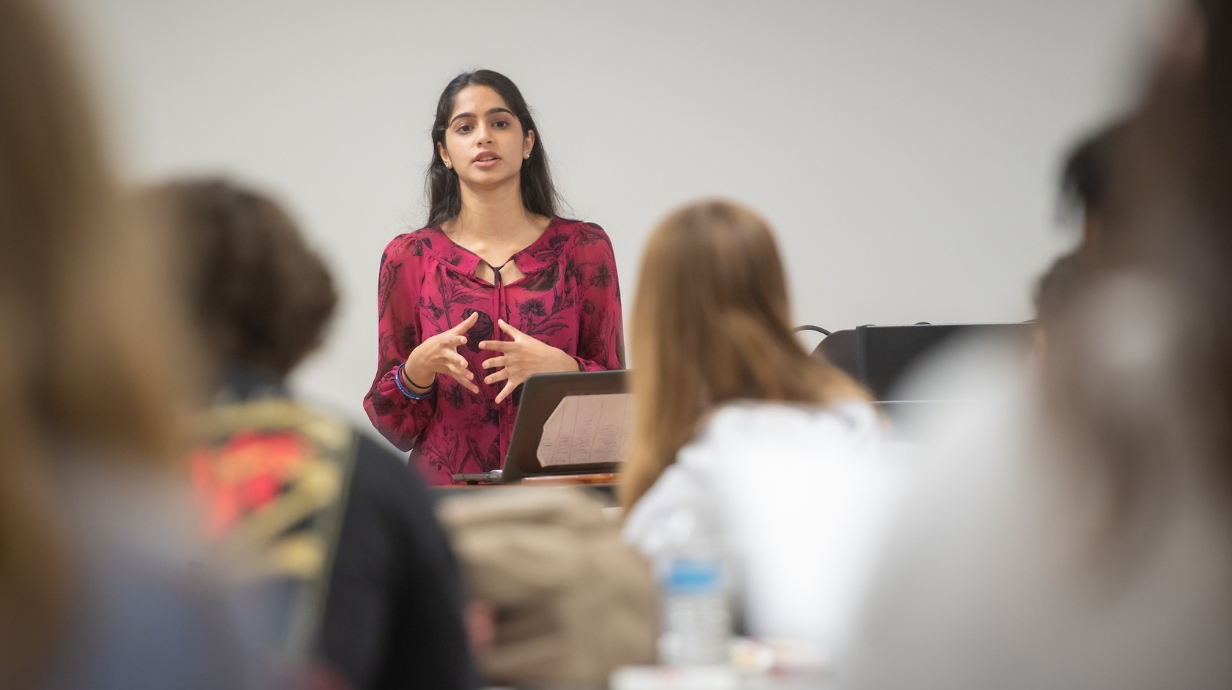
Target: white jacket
[(802, 494)]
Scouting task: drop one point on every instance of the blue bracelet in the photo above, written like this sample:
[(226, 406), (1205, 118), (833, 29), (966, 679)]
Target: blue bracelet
[(407, 392)]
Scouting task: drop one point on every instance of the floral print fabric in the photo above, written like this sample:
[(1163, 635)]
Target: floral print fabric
[(568, 298)]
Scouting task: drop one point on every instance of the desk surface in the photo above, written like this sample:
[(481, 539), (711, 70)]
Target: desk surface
[(603, 484), (571, 479)]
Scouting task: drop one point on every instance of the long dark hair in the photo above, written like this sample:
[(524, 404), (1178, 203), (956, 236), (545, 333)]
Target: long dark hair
[(444, 196)]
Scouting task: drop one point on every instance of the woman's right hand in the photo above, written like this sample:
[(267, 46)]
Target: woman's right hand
[(439, 355)]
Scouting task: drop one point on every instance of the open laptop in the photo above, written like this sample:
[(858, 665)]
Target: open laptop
[(586, 416)]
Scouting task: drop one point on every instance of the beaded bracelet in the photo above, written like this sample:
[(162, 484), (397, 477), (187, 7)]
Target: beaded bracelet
[(407, 392)]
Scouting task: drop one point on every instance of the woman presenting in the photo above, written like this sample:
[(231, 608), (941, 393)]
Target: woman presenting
[(494, 289)]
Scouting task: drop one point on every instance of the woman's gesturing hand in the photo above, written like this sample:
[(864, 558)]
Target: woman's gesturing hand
[(439, 355), (522, 357)]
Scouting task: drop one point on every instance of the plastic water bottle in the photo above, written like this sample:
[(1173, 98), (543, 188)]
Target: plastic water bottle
[(694, 592)]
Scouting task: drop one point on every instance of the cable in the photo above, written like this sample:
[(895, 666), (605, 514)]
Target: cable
[(815, 329)]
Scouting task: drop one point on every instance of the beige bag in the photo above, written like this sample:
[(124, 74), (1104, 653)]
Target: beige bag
[(572, 601)]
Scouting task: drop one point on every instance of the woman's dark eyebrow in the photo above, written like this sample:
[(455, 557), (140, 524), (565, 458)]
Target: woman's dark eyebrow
[(491, 111)]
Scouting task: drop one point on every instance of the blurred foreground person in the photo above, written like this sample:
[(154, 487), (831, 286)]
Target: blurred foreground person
[(100, 586), (334, 536), (1078, 533), (737, 426)]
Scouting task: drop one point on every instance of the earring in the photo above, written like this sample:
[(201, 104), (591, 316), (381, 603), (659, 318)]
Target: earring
[(448, 164), (527, 156)]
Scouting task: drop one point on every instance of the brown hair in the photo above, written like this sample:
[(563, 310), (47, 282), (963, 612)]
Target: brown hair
[(711, 324), (259, 294), (89, 348)]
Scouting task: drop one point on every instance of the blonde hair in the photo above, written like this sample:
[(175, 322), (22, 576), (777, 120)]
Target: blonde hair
[(88, 341), (711, 324)]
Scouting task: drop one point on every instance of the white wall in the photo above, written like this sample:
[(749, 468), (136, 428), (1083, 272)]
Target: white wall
[(905, 151)]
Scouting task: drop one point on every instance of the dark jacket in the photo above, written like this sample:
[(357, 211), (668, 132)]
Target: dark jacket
[(358, 570)]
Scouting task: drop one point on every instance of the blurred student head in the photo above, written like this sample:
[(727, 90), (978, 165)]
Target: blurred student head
[(711, 324), (1085, 182), (258, 294), (91, 354), (1085, 188)]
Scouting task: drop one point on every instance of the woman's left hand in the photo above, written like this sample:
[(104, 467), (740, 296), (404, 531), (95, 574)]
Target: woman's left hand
[(522, 357)]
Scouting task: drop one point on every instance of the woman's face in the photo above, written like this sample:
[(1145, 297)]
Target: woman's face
[(484, 142)]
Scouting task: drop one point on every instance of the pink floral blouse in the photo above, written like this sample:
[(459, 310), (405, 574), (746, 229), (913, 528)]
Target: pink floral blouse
[(568, 298)]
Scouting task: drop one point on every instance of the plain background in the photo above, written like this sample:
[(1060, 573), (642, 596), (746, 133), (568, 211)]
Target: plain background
[(905, 151)]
